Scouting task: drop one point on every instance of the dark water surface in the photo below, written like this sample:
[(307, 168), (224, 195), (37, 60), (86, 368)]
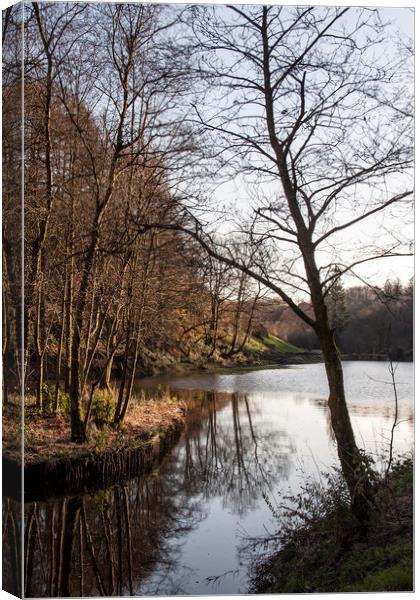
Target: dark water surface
[(249, 438)]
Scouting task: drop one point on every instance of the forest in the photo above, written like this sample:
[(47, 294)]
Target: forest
[(100, 293), (105, 144), (192, 188)]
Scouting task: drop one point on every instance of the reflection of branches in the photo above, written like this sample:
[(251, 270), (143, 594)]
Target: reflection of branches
[(128, 537), (217, 578), (81, 557), (255, 440), (92, 554), (11, 547), (108, 543), (72, 516), (93, 537), (29, 549), (235, 464)]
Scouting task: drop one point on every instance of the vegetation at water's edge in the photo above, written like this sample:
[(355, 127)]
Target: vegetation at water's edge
[(47, 432), (47, 435), (323, 550)]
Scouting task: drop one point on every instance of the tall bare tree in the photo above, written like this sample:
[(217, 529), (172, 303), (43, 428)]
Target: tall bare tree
[(298, 105), (12, 92), (123, 92)]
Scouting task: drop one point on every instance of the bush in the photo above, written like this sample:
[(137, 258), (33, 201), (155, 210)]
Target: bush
[(378, 568), (398, 578), (103, 407), (321, 548)]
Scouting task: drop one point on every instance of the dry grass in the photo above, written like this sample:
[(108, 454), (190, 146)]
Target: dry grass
[(49, 437)]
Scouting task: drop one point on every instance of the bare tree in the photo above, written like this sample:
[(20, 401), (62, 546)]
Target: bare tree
[(12, 235), (297, 104), (52, 28), (121, 90)]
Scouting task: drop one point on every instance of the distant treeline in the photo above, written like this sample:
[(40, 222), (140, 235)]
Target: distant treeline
[(368, 321)]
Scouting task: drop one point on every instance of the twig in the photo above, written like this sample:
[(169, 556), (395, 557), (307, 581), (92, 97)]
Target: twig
[(392, 370)]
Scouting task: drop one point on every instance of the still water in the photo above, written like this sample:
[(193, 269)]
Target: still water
[(250, 439)]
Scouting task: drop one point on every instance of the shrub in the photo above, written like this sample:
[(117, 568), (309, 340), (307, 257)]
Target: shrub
[(398, 578), (321, 547), (103, 407)]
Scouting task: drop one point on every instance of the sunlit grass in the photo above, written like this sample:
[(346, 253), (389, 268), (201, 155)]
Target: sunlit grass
[(281, 345)]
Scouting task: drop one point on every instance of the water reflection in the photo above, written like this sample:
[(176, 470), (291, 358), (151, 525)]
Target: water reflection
[(225, 455), (110, 542), (11, 543), (98, 545), (180, 528)]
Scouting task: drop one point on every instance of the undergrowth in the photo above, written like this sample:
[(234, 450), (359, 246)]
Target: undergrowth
[(320, 547), (103, 407)]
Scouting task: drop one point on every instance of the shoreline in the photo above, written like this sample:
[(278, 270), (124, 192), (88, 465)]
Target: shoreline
[(109, 457), (74, 475), (304, 358), (280, 361), (321, 549)]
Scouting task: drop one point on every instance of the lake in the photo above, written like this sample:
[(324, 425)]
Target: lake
[(251, 439)]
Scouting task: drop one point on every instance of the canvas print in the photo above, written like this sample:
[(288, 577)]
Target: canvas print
[(207, 277)]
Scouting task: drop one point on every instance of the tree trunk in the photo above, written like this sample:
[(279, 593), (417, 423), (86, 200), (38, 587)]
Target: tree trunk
[(108, 371), (5, 347), (12, 312), (353, 466), (77, 427), (61, 341), (69, 533), (70, 288), (352, 462), (237, 320), (78, 433), (130, 384), (38, 263), (118, 408), (39, 355)]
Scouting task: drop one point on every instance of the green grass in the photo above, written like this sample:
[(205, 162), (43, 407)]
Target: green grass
[(395, 578), (281, 345)]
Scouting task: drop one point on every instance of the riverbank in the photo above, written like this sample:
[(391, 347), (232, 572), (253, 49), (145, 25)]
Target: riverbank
[(322, 550), (54, 464), (259, 353), (266, 358)]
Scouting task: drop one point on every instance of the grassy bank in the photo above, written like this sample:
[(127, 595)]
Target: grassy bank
[(261, 352), (56, 465), (48, 437), (321, 549)]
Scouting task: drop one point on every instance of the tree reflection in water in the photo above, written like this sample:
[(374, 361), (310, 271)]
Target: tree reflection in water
[(127, 539), (226, 457), (11, 545)]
